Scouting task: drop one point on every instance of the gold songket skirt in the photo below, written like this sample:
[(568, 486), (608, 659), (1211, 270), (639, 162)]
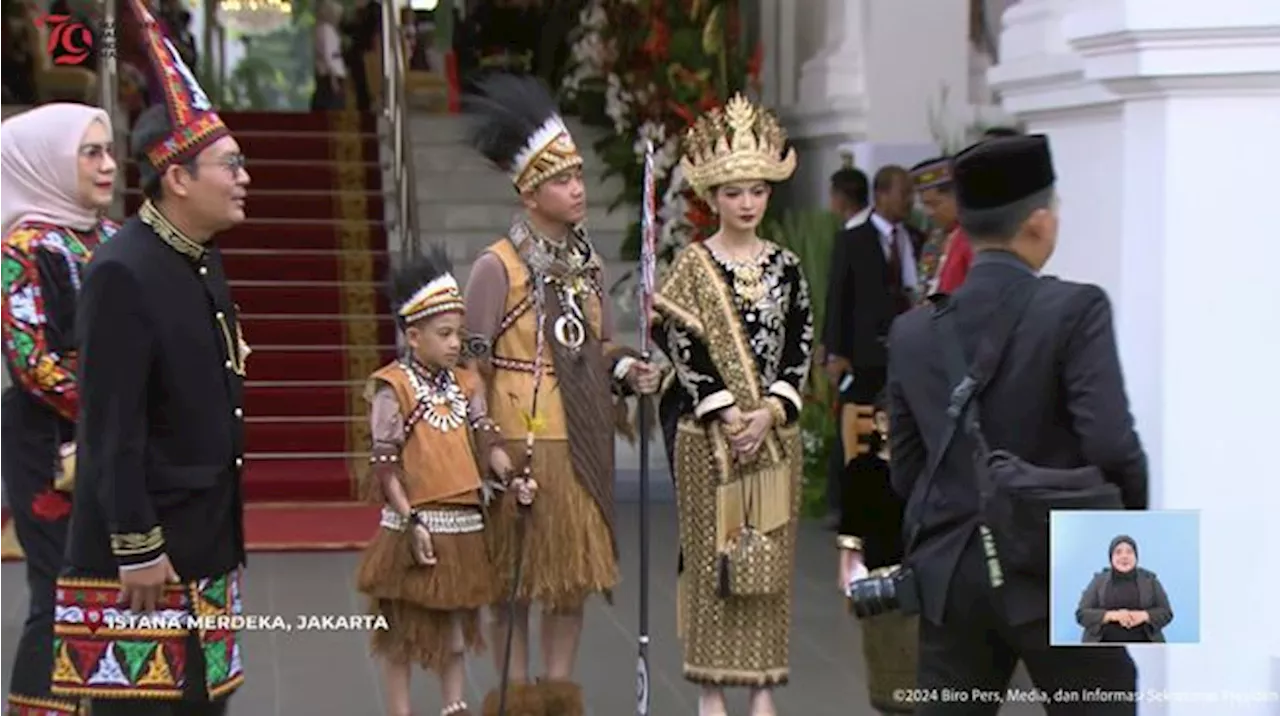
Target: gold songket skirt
[(733, 641)]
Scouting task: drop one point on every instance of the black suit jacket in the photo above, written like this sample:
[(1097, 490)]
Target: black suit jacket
[(1058, 400), (159, 452), (860, 306)]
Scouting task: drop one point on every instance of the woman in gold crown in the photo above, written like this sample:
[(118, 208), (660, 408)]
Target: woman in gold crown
[(735, 319)]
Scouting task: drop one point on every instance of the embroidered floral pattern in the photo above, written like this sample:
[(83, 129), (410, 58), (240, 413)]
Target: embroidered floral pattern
[(40, 366), (50, 506)]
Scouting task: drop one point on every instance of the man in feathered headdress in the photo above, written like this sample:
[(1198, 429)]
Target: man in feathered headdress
[(558, 383), (157, 536)]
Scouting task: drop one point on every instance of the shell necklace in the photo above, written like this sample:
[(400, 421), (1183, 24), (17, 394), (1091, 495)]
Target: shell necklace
[(445, 402)]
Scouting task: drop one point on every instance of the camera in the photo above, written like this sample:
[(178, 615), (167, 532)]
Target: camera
[(888, 589)]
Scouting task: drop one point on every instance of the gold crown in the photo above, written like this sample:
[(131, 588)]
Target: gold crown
[(739, 143)]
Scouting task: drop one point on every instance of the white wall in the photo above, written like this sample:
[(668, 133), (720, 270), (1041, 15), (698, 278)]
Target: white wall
[(842, 71), (1163, 122)]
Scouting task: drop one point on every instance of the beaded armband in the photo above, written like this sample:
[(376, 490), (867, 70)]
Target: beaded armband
[(777, 410), (849, 543), (385, 459), (487, 436)]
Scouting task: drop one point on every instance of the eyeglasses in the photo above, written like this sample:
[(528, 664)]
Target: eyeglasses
[(233, 163), (97, 152)]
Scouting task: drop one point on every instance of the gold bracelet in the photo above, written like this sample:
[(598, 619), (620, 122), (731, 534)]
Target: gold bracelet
[(777, 410), (849, 542)]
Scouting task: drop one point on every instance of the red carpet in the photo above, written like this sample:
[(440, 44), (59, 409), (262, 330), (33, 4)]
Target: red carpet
[(292, 527), (307, 270), (280, 527)]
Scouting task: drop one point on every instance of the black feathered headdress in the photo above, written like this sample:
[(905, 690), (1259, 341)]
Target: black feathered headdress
[(425, 287), (518, 127)]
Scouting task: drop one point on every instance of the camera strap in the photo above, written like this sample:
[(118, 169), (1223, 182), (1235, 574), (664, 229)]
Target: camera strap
[(968, 381)]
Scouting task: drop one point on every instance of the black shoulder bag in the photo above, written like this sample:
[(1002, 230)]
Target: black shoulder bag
[(1015, 496), (898, 590)]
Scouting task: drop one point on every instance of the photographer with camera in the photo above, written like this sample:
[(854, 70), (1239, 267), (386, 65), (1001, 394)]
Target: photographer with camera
[(870, 543), (1006, 401)]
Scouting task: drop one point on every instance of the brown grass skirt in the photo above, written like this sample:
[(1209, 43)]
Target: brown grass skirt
[(568, 550), (890, 646), (422, 602)]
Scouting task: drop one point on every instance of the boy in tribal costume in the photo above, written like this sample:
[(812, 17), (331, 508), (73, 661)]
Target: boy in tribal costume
[(538, 315)]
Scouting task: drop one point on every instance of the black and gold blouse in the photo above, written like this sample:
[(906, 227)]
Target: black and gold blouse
[(773, 305)]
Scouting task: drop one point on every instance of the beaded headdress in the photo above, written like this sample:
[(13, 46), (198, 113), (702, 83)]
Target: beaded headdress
[(741, 142), (193, 123), (518, 127), (931, 173), (425, 287)]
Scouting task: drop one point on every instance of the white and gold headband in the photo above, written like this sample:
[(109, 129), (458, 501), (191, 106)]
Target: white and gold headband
[(549, 151), (441, 295)]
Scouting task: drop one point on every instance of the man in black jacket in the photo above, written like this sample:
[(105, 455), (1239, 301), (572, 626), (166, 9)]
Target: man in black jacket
[(1057, 400), (872, 280), (156, 534)]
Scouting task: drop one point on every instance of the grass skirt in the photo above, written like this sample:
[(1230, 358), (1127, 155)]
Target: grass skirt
[(568, 549), (426, 607)]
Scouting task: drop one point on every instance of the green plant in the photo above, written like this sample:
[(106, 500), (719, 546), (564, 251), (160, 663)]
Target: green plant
[(818, 433), (810, 234)]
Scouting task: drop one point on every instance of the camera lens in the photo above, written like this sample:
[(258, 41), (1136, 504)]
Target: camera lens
[(874, 596)]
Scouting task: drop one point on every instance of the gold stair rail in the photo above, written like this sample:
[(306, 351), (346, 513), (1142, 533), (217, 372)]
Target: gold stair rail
[(109, 97), (396, 113)]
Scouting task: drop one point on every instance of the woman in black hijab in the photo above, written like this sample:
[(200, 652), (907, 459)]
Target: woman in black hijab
[(1124, 604)]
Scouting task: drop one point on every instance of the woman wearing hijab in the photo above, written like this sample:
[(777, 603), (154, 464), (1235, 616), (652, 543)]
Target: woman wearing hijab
[(58, 179), (1124, 603)]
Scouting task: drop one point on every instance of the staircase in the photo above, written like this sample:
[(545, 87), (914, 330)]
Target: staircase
[(308, 267), (307, 271), (466, 204)]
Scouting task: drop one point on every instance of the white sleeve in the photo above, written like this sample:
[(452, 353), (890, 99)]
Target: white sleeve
[(329, 52)]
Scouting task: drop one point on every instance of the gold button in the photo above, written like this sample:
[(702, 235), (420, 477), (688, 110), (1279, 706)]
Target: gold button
[(239, 462), (227, 365), (204, 270), (219, 315), (239, 413)]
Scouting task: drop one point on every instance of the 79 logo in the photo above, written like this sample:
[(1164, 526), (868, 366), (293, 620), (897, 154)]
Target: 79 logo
[(71, 41)]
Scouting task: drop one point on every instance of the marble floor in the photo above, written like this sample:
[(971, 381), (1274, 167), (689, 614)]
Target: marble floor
[(329, 673)]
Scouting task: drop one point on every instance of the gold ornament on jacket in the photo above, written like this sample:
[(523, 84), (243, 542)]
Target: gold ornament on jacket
[(740, 142)]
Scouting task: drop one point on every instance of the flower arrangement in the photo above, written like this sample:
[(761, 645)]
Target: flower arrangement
[(655, 82)]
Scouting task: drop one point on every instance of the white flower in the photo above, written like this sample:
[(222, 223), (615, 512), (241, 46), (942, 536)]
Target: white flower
[(617, 105)]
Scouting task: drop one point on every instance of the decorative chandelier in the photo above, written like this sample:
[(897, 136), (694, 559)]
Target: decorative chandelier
[(255, 17)]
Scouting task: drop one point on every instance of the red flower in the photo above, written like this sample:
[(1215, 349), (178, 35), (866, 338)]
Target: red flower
[(755, 62), (50, 506), (682, 112), (699, 215), (659, 39)]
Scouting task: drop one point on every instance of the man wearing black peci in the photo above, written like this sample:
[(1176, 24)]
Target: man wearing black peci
[(1056, 400), (157, 529)]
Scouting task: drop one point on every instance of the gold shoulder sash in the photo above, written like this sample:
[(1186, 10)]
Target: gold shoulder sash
[(695, 295)]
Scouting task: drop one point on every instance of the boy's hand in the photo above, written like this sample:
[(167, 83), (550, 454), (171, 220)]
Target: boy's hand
[(500, 463), (424, 550)]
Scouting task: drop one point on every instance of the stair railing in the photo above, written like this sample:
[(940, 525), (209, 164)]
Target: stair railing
[(109, 94), (396, 113)]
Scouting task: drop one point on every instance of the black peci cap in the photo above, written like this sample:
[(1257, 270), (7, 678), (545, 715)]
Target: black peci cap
[(1001, 171)]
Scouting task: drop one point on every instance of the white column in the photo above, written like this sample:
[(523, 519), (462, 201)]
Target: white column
[(1162, 115), (832, 87), (1200, 85)]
